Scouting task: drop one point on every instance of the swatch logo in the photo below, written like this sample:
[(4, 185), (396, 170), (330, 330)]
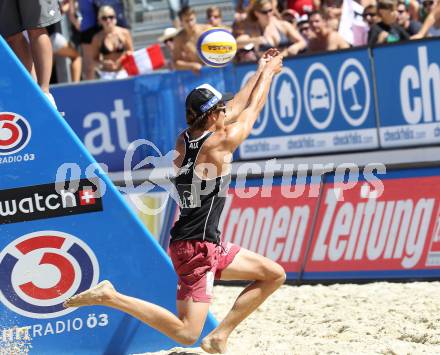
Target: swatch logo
[(45, 201)]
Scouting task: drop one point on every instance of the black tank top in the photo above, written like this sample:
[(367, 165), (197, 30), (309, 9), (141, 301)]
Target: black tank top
[(201, 200)]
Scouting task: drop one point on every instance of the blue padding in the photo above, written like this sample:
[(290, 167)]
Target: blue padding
[(105, 230)]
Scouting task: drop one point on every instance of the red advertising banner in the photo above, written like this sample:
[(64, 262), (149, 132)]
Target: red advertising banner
[(398, 230), (277, 226), (360, 232)]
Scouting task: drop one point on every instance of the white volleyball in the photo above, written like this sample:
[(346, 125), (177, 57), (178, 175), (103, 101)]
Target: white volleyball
[(216, 47)]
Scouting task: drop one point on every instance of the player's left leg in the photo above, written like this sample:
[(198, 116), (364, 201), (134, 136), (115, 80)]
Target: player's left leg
[(185, 328), (267, 276)]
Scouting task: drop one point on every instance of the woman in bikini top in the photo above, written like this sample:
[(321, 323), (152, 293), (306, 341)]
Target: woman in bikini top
[(110, 44), (265, 30)]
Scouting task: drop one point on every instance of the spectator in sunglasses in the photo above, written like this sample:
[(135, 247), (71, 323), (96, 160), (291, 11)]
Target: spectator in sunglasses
[(386, 30), (304, 27), (246, 54), (110, 45), (265, 30), (370, 15), (404, 19), (214, 16), (242, 8), (167, 39), (324, 38)]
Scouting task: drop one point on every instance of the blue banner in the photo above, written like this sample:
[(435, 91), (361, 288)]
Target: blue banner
[(108, 115), (316, 104), (408, 93), (64, 227), (105, 117)]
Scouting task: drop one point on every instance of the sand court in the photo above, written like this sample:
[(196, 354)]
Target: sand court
[(377, 318)]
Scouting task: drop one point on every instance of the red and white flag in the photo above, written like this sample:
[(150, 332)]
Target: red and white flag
[(144, 60)]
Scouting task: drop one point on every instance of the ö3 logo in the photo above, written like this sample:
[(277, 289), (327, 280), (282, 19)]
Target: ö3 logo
[(42, 269), (15, 133)]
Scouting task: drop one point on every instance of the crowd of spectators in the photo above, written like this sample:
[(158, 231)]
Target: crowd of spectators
[(100, 37)]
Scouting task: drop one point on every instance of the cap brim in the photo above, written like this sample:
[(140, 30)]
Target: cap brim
[(227, 96)]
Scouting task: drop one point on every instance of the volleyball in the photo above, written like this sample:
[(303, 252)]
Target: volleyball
[(216, 47)]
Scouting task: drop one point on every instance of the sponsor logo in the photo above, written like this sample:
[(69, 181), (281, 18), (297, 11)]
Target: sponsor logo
[(276, 227), (286, 104), (419, 88), (393, 232), (15, 133), (42, 269), (46, 201), (398, 229)]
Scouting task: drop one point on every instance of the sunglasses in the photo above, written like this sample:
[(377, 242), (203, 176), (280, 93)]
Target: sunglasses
[(428, 3), (265, 12), (369, 14), (110, 17), (401, 11)]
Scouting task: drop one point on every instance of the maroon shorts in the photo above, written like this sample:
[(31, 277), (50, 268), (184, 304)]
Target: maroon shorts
[(197, 264)]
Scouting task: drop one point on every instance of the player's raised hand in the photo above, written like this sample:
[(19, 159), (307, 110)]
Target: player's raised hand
[(275, 63), (267, 56)]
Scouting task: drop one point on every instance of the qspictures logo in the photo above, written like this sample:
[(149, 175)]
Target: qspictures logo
[(46, 201), (15, 133), (40, 270)]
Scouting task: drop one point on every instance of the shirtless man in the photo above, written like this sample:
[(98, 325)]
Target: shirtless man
[(323, 38), (216, 127), (185, 55)]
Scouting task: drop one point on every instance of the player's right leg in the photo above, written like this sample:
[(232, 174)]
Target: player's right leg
[(267, 277), (185, 328)]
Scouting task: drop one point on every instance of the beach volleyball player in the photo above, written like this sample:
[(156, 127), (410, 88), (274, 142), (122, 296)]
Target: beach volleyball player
[(216, 127)]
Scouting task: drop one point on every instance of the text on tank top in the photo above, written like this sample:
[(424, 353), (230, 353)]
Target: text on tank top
[(201, 201)]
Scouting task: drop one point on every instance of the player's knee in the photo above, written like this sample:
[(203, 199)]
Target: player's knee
[(188, 335), (188, 338), (276, 273)]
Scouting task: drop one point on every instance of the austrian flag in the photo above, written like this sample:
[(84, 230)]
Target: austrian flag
[(144, 60)]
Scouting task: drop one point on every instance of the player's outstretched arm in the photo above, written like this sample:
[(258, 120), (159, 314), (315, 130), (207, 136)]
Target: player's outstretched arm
[(241, 100), (241, 129)]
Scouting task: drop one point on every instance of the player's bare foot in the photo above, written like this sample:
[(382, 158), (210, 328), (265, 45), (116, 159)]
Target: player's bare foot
[(94, 296), (214, 344)]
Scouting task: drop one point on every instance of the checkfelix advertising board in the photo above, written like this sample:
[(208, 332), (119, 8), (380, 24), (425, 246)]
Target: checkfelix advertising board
[(388, 231), (408, 93), (316, 104), (63, 228)]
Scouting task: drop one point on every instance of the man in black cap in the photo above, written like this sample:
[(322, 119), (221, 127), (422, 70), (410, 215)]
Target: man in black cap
[(217, 124)]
